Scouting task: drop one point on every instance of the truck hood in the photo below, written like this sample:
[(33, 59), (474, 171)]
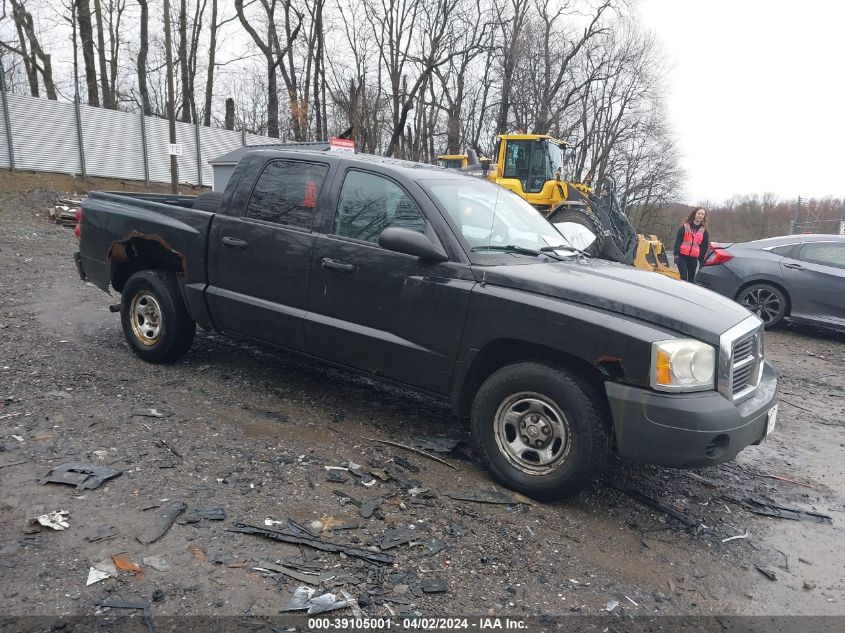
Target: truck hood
[(678, 305)]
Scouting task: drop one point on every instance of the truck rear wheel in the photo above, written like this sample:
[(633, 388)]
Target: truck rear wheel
[(155, 321), (586, 218), (540, 430)]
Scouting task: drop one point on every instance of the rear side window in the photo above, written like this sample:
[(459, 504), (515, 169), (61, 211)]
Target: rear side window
[(286, 193), (785, 251), (824, 253), (369, 204)]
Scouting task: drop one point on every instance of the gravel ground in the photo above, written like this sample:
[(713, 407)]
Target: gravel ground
[(252, 432)]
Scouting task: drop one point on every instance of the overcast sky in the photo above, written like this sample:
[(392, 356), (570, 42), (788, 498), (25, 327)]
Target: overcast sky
[(757, 94)]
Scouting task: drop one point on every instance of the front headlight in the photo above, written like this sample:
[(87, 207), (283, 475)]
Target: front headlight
[(682, 365)]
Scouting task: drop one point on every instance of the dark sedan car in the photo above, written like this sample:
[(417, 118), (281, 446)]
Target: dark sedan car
[(799, 277)]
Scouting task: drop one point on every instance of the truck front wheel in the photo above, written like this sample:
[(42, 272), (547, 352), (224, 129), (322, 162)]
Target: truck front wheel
[(540, 429), (155, 321)]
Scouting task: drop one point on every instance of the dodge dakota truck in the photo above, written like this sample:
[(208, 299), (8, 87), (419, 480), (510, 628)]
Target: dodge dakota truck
[(449, 285)]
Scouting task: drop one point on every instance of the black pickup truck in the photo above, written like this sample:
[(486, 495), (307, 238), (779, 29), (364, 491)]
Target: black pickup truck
[(449, 285)]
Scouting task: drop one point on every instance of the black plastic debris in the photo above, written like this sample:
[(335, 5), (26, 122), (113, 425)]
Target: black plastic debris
[(482, 497), (369, 506), (434, 546), (336, 477), (83, 476), (771, 510), (102, 533), (165, 518), (158, 595), (112, 603), (309, 579), (211, 513), (453, 529), (653, 503), (435, 444), (404, 463), (395, 537), (320, 544), (434, 585), (151, 412)]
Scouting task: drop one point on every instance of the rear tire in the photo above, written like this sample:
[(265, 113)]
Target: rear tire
[(155, 321), (766, 301), (540, 429)]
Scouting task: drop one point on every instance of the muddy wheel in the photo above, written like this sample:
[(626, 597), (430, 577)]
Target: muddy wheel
[(766, 301), (155, 321), (540, 429)]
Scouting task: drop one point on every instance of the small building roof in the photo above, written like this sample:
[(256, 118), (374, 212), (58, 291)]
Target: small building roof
[(232, 158)]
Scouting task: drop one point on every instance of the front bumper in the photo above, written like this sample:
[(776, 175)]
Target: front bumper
[(688, 429)]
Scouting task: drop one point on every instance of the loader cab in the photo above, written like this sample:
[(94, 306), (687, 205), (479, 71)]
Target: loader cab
[(531, 165), (453, 161)]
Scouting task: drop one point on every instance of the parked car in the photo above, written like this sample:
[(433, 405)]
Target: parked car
[(449, 285), (797, 277)]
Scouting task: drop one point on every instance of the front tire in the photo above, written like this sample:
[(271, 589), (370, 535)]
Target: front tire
[(155, 321), (766, 301), (540, 429)]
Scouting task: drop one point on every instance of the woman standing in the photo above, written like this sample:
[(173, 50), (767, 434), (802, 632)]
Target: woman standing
[(691, 244)]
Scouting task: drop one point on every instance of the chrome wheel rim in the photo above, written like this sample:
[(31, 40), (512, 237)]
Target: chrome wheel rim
[(145, 315), (762, 302), (532, 433)]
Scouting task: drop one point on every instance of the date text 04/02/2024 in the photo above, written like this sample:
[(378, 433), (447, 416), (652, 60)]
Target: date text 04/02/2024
[(416, 623)]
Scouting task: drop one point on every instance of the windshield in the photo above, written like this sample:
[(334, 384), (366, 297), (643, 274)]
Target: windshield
[(556, 153), (489, 217)]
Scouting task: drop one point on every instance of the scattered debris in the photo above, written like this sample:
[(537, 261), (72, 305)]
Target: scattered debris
[(123, 604), (165, 519), (809, 585), (124, 564), (319, 544), (733, 538), (95, 575), (369, 506), (102, 533), (353, 604), (631, 601), (158, 595), (435, 546), (404, 463), (396, 537), (311, 579), (483, 497), (64, 212), (303, 599), (769, 509), (438, 444), (653, 503), (611, 605), (768, 573), (805, 561), (55, 520), (413, 450), (159, 563), (151, 412), (17, 463), (83, 476), (434, 585), (336, 477), (18, 438), (211, 513), (788, 480)]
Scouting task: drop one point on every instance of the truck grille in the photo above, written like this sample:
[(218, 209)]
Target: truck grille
[(746, 364)]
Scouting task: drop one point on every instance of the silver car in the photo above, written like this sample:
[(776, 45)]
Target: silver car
[(798, 277)]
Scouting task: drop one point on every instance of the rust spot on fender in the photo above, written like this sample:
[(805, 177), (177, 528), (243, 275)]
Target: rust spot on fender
[(611, 366), (119, 250)]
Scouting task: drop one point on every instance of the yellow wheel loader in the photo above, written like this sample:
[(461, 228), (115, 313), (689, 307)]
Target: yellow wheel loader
[(531, 165)]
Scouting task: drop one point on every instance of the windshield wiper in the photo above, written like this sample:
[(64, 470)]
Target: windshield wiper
[(513, 248), (569, 247)]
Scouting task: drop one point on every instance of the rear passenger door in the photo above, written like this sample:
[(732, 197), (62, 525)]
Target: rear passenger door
[(384, 312), (259, 263), (816, 273)]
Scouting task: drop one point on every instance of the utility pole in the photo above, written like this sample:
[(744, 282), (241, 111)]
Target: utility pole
[(171, 116)]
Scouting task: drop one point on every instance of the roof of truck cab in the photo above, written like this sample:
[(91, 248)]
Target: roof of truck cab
[(232, 158), (406, 168)]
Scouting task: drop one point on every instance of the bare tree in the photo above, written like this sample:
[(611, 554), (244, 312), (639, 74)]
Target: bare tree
[(511, 21), (142, 57), (86, 36), (108, 101), (34, 58)]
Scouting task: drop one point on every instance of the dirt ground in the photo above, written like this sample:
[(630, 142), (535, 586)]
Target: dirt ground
[(253, 431)]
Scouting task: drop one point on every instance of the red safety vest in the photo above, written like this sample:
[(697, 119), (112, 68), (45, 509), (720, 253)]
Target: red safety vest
[(690, 246)]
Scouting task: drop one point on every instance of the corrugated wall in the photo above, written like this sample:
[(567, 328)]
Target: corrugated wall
[(215, 143), (45, 138), (113, 146), (44, 134), (4, 139)]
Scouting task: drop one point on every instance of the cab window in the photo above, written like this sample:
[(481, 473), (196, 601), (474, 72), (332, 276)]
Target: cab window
[(286, 193)]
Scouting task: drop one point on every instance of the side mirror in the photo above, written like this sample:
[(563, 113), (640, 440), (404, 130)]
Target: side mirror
[(411, 243)]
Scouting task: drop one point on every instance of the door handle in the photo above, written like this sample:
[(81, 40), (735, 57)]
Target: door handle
[(795, 266), (337, 265), (234, 242)]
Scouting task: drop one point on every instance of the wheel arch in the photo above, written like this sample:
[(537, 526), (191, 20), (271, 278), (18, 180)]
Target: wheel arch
[(138, 252), (767, 282), (499, 353)]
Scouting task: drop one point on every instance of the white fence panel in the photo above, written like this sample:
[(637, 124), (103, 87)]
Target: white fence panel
[(4, 139), (253, 139), (216, 142), (186, 135), (44, 134), (158, 138), (113, 143)]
